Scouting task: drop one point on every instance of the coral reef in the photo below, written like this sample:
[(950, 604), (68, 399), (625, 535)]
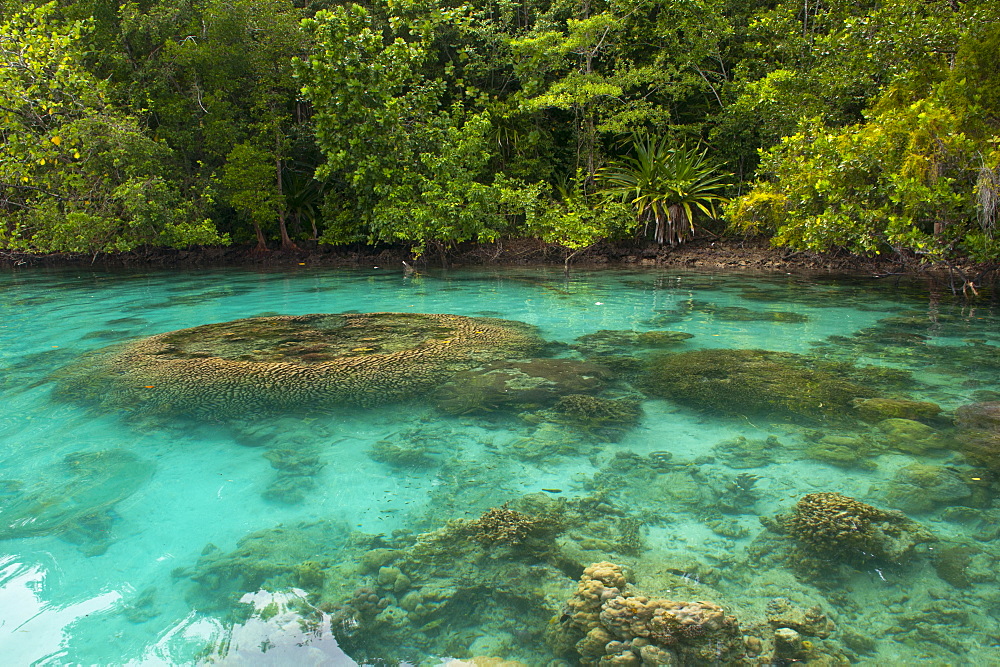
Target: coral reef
[(502, 525), (607, 417), (844, 451), (920, 487), (403, 455), (979, 416), (609, 343), (830, 525), (273, 559), (742, 453), (906, 340), (549, 440), (746, 382), (911, 437), (952, 564), (725, 314), (515, 385), (270, 365), (656, 488), (607, 622), (782, 613), (877, 409), (739, 495), (295, 471), (979, 433)]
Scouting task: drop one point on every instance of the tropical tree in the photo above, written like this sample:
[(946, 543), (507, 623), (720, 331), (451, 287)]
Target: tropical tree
[(916, 178), (665, 185), (76, 174)]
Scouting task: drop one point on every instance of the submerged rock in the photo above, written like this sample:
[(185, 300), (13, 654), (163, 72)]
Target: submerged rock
[(726, 314), (979, 417), (952, 563), (919, 487), (979, 433), (610, 343), (844, 451), (910, 436), (515, 385)]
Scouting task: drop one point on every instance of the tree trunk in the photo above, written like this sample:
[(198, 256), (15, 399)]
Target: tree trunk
[(286, 241), (678, 223), (261, 241)]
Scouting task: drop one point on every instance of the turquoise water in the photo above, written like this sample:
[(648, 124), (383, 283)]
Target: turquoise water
[(129, 539)]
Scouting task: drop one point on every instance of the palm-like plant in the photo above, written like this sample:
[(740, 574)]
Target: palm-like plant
[(303, 197), (665, 185)]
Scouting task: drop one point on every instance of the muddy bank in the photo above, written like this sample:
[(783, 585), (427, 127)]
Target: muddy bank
[(706, 254)]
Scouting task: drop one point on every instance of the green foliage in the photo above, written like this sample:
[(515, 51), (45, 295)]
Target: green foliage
[(665, 185), (576, 219), (412, 151), (429, 124), (909, 178), (249, 185), (77, 175)]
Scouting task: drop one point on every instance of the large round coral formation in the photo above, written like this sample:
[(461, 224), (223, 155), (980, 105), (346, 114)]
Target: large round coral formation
[(277, 364), (837, 526), (756, 381)]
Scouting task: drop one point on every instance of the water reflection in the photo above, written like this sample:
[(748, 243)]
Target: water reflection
[(32, 629)]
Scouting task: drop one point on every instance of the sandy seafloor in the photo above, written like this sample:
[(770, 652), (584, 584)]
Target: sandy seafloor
[(105, 573)]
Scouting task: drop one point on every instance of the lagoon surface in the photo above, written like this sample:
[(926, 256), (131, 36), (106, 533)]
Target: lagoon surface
[(690, 428)]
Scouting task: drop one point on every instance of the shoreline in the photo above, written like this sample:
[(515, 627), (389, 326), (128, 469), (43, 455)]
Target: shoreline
[(723, 254)]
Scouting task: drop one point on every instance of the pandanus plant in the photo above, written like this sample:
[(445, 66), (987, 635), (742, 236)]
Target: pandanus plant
[(665, 185), (303, 197)]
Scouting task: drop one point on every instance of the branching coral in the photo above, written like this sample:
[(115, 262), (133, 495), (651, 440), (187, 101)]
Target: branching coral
[(502, 525), (833, 525), (611, 417)]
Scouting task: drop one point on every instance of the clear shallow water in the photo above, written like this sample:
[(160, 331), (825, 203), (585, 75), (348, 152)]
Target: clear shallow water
[(121, 546)]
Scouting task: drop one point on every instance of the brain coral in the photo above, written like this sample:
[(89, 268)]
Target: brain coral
[(275, 364)]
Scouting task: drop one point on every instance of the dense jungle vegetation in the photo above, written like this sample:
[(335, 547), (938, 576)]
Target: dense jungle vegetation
[(825, 124)]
